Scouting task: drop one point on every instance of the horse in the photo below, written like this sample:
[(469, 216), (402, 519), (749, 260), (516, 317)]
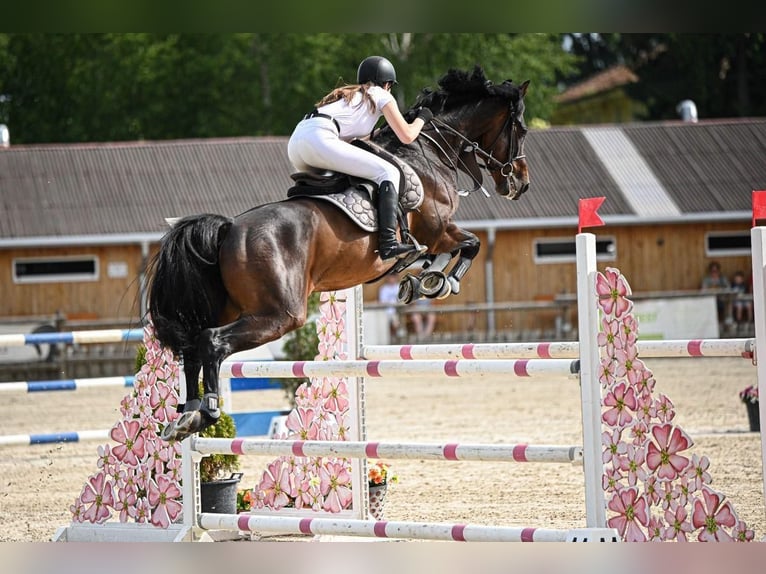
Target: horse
[(220, 285)]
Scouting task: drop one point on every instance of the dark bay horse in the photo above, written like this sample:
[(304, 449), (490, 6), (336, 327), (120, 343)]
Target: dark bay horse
[(220, 285)]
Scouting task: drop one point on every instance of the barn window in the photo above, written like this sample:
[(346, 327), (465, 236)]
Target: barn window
[(723, 243), (55, 269), (563, 250)]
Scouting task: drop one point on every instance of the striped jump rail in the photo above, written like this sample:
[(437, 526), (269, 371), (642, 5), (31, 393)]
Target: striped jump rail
[(65, 384), (743, 348), (417, 451), (379, 529), (237, 385), (405, 369), (73, 337), (50, 438)]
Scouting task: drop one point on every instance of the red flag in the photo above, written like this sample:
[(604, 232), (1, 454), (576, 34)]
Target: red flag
[(759, 206), (587, 212)]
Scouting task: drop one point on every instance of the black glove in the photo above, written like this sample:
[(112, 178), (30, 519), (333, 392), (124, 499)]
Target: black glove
[(425, 114)]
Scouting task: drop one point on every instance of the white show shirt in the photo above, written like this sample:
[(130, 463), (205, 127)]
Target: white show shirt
[(355, 118)]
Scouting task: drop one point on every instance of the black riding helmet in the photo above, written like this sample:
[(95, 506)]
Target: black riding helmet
[(375, 69)]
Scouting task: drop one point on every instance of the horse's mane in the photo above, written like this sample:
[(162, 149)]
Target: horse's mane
[(460, 87), (456, 88)]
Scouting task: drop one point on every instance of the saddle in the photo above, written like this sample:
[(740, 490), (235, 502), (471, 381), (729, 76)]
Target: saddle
[(355, 196)]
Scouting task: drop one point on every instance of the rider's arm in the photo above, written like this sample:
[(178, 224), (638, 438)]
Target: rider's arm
[(407, 133)]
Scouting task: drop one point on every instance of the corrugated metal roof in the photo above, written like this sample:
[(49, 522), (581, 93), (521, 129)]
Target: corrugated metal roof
[(128, 188)]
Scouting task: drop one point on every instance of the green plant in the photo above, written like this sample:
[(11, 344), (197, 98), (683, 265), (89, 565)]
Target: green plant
[(301, 345), (218, 466)]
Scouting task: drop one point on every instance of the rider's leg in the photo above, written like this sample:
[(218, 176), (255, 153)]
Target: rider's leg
[(388, 205)]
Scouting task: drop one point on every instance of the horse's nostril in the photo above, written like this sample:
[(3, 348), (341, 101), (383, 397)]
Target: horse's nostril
[(524, 188)]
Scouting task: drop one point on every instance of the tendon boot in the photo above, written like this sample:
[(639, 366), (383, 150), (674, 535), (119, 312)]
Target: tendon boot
[(388, 244)]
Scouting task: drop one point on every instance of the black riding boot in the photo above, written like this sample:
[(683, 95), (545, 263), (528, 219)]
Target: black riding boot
[(388, 244)]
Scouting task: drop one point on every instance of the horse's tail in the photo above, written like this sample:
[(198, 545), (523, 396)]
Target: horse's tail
[(186, 291)]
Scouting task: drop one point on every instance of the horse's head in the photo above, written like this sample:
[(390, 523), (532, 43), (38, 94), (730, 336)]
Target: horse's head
[(487, 119)]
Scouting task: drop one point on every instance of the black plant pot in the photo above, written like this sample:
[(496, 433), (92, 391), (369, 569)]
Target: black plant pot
[(220, 496), (753, 416)]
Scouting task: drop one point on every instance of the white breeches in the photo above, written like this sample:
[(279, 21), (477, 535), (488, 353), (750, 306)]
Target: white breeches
[(315, 144)]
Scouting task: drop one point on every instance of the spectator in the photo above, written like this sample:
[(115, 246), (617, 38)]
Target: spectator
[(714, 281), (424, 321), (741, 306), (389, 293)]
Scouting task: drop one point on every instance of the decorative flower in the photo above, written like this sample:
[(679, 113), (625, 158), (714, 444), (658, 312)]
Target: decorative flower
[(711, 515), (662, 453), (621, 401), (380, 473), (631, 512), (749, 394), (98, 494), (612, 290), (162, 494)]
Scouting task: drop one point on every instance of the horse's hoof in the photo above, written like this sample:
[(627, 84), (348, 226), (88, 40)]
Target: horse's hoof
[(183, 427)]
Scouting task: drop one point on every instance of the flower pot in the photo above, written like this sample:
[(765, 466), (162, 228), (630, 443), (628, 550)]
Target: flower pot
[(377, 499), (220, 496), (753, 416)]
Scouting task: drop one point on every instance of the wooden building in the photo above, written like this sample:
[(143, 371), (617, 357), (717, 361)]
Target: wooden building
[(79, 222)]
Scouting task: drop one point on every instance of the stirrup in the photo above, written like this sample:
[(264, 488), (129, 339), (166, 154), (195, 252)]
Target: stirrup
[(400, 250)]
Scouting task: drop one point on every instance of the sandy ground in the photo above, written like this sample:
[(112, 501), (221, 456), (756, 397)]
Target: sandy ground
[(38, 483)]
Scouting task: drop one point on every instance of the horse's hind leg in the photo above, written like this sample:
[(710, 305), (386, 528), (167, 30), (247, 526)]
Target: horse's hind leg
[(214, 346), (192, 367)]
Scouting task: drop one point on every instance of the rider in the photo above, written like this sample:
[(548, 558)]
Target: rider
[(321, 140)]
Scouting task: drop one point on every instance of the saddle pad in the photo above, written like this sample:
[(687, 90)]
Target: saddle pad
[(354, 201)]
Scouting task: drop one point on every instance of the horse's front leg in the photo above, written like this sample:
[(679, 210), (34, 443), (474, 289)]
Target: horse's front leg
[(463, 244)]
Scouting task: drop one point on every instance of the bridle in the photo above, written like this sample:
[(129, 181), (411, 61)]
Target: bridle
[(490, 162)]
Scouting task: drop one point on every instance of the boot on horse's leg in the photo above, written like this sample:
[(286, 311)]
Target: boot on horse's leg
[(388, 244), (197, 416)]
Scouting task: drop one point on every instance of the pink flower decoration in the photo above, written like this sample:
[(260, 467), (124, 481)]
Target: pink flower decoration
[(741, 533), (301, 421), (612, 290), (613, 446), (699, 469), (163, 401), (331, 308), (631, 512), (678, 524), (609, 336), (608, 376), (628, 330), (275, 485), (335, 479), (98, 494), (711, 515), (335, 394), (628, 362), (663, 409), (126, 502), (633, 464), (131, 443), (610, 480), (162, 497), (642, 380), (620, 400), (662, 453)]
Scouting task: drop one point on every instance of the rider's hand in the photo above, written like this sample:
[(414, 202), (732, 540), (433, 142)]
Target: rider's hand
[(425, 114)]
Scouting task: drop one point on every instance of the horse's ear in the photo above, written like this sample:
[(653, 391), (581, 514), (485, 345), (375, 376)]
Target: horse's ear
[(523, 88)]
